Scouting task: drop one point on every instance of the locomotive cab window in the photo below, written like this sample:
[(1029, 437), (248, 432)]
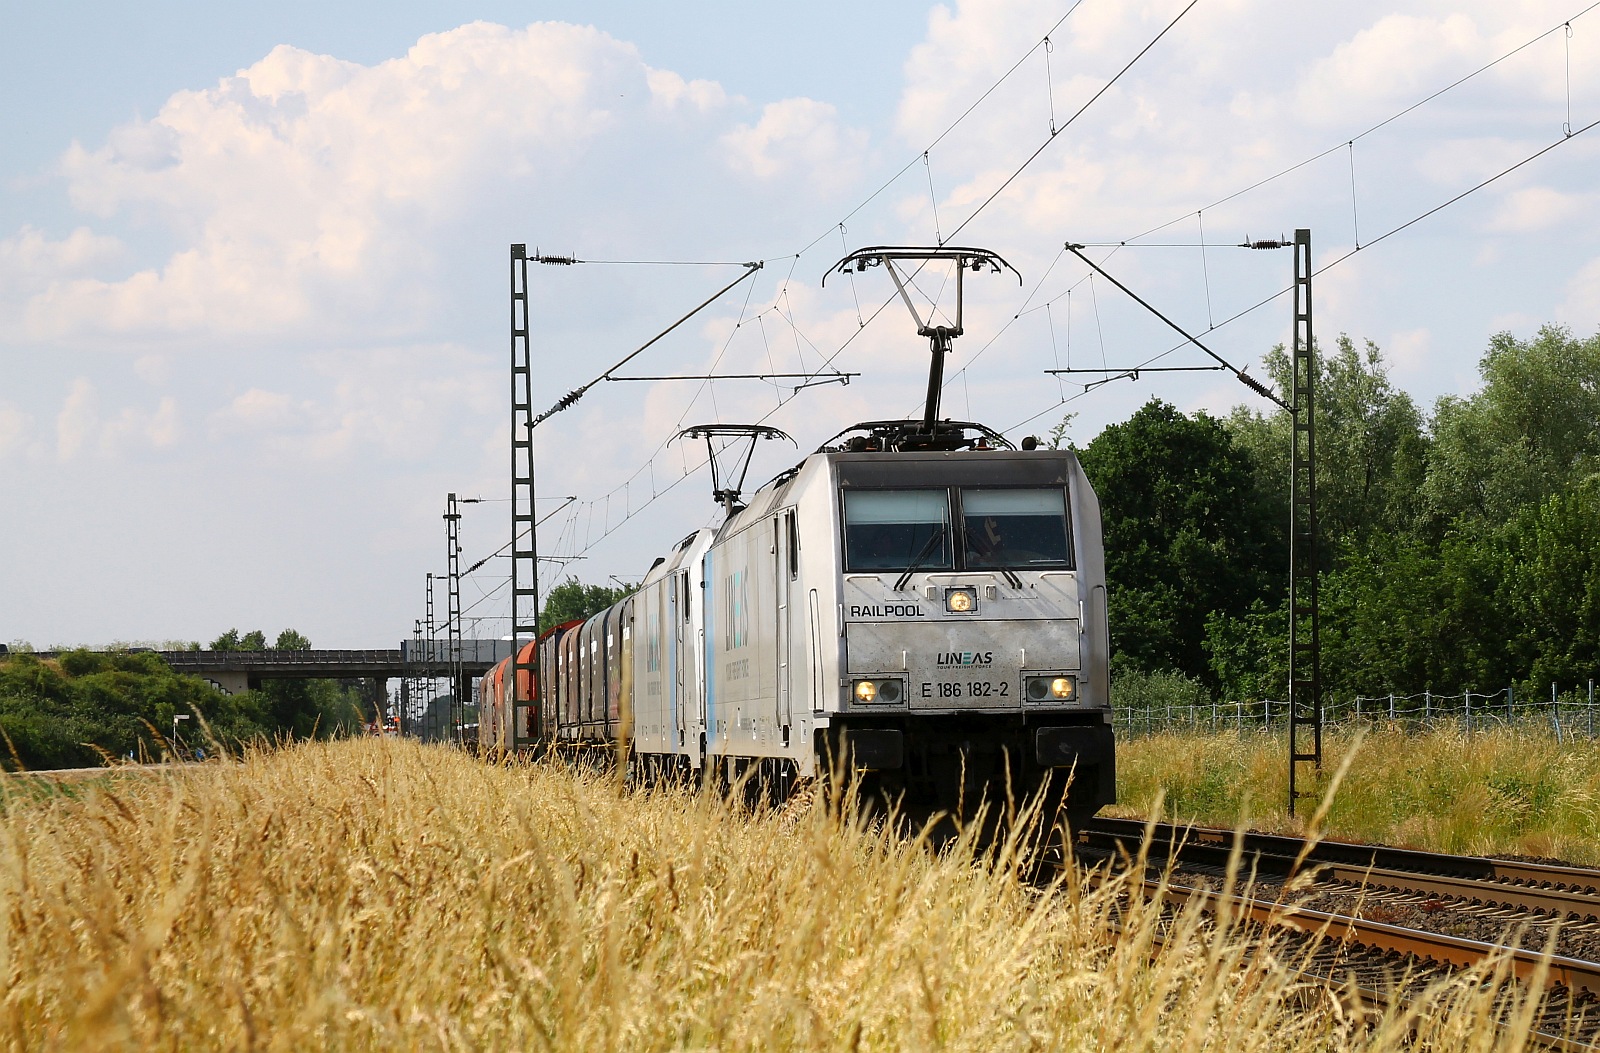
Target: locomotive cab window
[(897, 530), (1015, 528)]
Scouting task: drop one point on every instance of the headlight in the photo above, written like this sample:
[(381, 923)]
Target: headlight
[(1051, 688), (960, 601), (867, 691)]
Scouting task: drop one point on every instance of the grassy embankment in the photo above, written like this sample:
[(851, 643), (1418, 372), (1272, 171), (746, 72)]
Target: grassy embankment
[(385, 895), (1493, 792)]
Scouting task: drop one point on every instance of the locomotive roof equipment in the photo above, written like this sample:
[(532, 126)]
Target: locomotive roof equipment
[(725, 487), (939, 337)]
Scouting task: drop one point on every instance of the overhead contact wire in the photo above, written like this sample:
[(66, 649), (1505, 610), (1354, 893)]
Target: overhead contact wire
[(826, 361), (953, 124), (1338, 259), (1055, 131), (829, 359), (1381, 124)]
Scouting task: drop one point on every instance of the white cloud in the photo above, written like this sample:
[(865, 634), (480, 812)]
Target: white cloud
[(669, 90), (15, 426), (967, 48), (258, 410), (306, 192), (31, 260), (153, 369), (81, 429), (1518, 322), (134, 426), (798, 137), (1410, 352), (1536, 208), (389, 402), (78, 420), (1581, 307), (1388, 65)]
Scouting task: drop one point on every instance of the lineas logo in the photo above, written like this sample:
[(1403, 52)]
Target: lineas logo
[(963, 659)]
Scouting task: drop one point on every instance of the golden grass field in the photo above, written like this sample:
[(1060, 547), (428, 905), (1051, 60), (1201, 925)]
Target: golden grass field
[(1489, 793), (380, 894)]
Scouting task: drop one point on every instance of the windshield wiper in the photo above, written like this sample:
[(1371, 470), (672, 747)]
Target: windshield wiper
[(927, 550)]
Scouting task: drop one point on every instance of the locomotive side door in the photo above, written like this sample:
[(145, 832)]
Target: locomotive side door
[(784, 569), (682, 659), (701, 627)]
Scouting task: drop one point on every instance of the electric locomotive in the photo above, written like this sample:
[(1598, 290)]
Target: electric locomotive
[(931, 614), (917, 601)]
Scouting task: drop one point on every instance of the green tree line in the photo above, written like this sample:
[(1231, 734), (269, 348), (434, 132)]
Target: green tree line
[(1460, 547), (84, 707)]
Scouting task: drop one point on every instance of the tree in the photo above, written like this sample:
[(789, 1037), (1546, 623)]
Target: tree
[(573, 600), (299, 708), (1468, 559), (1550, 593), (254, 640), (86, 705), (1371, 448), (1533, 431), (1187, 534)]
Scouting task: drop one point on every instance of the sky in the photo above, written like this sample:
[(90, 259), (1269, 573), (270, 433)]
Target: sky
[(254, 264)]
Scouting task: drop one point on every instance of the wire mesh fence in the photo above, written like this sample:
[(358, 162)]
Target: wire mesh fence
[(1562, 713)]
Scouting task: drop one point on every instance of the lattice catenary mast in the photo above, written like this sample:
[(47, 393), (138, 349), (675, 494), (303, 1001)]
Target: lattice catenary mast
[(524, 533), (452, 523), (1305, 652)]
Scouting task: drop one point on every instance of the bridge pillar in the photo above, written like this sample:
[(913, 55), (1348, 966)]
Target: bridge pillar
[(228, 681)]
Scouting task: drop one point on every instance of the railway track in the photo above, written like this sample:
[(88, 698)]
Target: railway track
[(1370, 917), (1383, 857)]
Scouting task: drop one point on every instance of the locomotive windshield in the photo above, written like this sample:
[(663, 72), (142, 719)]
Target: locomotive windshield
[(1015, 528), (896, 529), (1012, 528)]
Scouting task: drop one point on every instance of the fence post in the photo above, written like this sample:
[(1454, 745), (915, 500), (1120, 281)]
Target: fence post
[(1391, 707), (1555, 712), (1591, 707), (1466, 708), (1427, 708), (1266, 712)]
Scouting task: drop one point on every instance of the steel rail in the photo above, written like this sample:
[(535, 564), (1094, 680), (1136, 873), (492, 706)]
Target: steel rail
[(1561, 902), (1511, 872), (1554, 1029), (1458, 951)]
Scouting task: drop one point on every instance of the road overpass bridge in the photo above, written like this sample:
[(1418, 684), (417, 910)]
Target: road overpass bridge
[(235, 671)]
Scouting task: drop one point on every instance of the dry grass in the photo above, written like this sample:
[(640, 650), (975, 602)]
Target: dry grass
[(378, 894), (1492, 792)]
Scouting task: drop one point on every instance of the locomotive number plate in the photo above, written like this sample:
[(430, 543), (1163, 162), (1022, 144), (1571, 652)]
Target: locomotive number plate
[(965, 689)]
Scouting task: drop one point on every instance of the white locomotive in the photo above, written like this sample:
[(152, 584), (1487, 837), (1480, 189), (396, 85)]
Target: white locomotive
[(935, 617), (920, 602)]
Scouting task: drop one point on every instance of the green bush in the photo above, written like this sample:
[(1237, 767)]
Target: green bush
[(1142, 691), (74, 711)]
